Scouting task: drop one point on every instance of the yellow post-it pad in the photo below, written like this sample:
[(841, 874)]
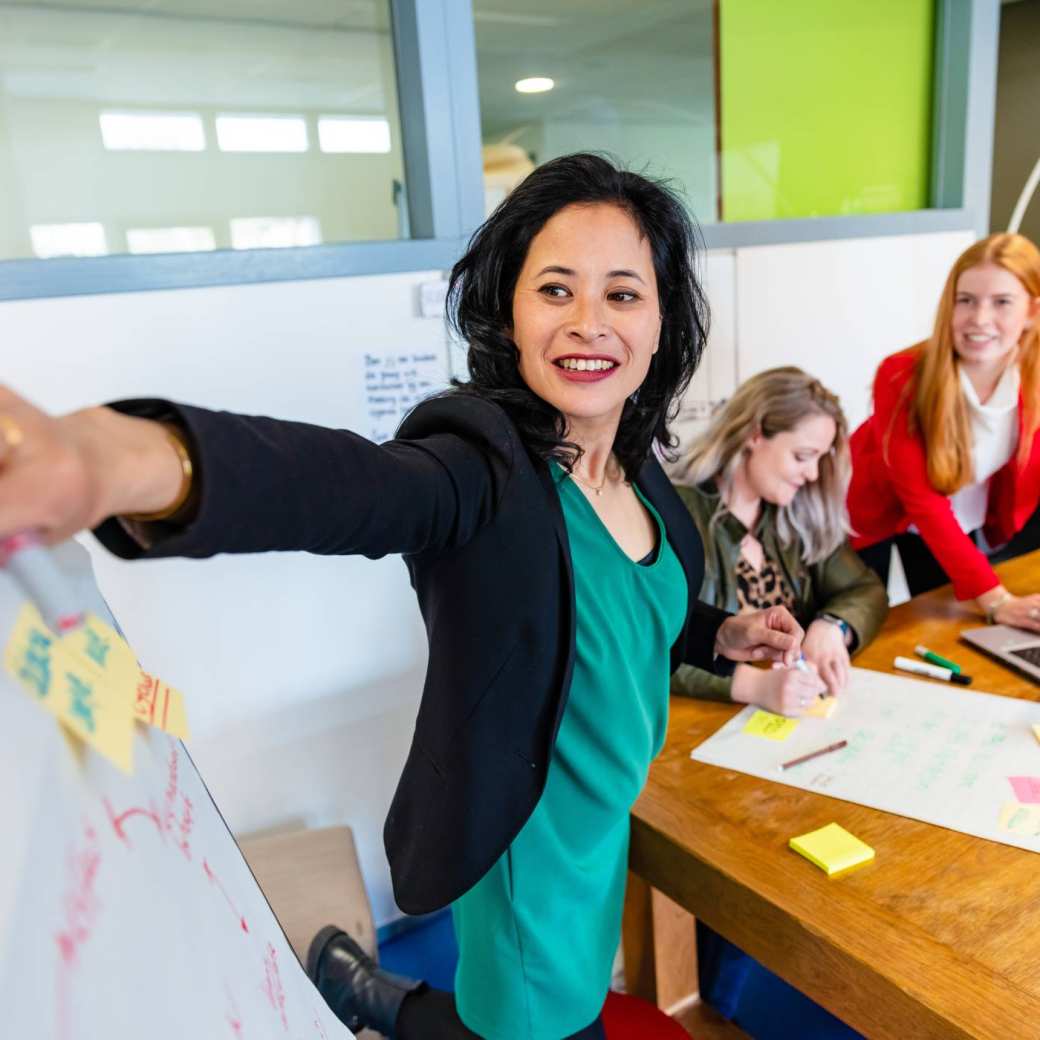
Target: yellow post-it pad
[(772, 727), (72, 686), (821, 708), (832, 849)]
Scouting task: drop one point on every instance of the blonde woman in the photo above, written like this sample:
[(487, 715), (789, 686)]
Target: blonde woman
[(766, 487), (948, 466), (765, 484)]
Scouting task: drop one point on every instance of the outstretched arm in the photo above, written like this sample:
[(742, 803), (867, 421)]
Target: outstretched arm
[(263, 484)]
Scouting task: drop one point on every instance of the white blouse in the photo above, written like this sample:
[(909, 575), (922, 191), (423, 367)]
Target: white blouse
[(994, 437)]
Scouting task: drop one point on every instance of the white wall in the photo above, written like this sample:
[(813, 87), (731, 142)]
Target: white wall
[(837, 308), (303, 673)]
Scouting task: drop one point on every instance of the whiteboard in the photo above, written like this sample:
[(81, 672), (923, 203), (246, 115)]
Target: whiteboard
[(932, 752), (126, 909)]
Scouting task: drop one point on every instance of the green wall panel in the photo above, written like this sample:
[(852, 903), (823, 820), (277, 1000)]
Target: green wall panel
[(825, 106)]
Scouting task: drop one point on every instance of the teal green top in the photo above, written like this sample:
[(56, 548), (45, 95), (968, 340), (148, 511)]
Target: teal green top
[(538, 933)]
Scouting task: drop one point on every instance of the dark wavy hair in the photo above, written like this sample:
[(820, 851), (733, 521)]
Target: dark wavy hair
[(480, 303)]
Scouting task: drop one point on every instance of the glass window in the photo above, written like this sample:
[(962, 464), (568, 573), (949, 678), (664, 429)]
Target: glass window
[(636, 79), (148, 126), (757, 110)]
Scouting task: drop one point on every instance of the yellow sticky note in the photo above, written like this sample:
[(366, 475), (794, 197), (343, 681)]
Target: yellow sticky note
[(821, 708), (162, 706), (832, 849), (772, 727), (1020, 819), (154, 703), (107, 652), (72, 688), (1036, 730)]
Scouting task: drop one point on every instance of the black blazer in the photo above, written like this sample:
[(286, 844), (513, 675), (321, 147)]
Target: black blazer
[(481, 528)]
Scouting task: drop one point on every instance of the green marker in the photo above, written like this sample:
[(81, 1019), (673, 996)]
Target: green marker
[(942, 662)]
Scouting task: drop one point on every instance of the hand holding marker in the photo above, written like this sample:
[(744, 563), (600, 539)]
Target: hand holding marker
[(28, 561), (802, 665)]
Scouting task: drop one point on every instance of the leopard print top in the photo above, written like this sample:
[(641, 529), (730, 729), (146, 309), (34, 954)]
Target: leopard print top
[(763, 588)]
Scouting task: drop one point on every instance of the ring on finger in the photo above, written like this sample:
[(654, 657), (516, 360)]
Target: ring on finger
[(10, 431), (1034, 614)]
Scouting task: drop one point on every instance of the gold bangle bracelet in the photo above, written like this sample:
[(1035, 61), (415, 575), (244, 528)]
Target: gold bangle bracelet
[(176, 437)]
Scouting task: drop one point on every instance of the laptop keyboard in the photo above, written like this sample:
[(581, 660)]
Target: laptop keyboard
[(1030, 654)]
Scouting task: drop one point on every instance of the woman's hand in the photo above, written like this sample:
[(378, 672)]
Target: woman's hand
[(1004, 608), (784, 691), (61, 475), (824, 648), (760, 635), (1020, 611)]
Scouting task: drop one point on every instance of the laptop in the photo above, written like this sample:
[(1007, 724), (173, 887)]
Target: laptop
[(1012, 646)]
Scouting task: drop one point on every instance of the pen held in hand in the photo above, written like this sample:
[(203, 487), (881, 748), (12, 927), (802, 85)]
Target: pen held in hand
[(814, 754), (802, 665)]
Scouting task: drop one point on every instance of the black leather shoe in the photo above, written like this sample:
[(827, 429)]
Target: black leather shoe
[(353, 985)]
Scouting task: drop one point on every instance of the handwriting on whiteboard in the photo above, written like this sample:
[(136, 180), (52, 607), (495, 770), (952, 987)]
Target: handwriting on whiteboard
[(395, 382)]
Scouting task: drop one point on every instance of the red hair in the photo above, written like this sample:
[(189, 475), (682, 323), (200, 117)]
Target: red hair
[(938, 408)]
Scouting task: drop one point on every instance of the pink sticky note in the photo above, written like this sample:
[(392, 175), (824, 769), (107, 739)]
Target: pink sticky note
[(1027, 788)]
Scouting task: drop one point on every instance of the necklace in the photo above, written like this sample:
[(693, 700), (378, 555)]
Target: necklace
[(592, 487)]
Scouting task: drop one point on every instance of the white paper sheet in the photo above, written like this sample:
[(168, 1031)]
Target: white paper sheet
[(126, 909), (938, 753)]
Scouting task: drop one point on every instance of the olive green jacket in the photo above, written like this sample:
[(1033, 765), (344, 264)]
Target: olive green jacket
[(841, 584)]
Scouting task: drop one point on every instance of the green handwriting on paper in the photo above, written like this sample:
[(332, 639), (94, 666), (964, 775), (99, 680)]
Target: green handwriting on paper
[(1020, 819), (772, 727), (858, 742), (81, 700), (71, 685), (33, 666), (935, 768)]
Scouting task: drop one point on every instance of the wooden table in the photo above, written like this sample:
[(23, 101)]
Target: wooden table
[(938, 938)]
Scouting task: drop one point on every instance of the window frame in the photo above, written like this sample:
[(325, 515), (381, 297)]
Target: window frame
[(435, 56)]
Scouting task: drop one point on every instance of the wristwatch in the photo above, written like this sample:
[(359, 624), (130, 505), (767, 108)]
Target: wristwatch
[(846, 629)]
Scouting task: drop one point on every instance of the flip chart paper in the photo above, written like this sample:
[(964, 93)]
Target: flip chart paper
[(932, 752), (126, 909)]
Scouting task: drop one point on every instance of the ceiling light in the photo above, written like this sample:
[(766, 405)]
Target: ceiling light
[(534, 85)]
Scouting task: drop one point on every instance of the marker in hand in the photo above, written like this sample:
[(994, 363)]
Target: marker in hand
[(27, 560), (803, 666)]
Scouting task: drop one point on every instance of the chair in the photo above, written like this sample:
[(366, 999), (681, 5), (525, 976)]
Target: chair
[(629, 1018)]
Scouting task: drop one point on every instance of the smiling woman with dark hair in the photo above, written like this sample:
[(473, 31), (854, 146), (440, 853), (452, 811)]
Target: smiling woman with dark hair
[(556, 569)]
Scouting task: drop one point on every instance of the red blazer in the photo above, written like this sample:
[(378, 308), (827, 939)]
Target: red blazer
[(887, 496)]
